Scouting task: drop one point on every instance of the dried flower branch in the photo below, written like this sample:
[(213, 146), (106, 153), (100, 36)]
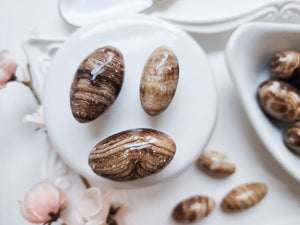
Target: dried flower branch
[(46, 203), (8, 66)]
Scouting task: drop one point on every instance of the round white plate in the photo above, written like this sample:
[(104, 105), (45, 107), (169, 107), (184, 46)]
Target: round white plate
[(189, 119)]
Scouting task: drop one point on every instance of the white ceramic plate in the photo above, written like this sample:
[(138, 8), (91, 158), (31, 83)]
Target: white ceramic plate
[(189, 119), (81, 12), (248, 54), (199, 16)]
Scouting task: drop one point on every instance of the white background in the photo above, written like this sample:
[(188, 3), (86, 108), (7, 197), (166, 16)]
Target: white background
[(22, 149)]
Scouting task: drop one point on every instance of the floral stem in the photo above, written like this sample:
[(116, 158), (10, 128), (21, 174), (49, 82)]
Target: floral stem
[(28, 83), (85, 182), (35, 94)]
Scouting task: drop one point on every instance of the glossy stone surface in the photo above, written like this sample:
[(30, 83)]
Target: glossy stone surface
[(284, 64), (193, 209), (280, 100), (292, 138), (97, 83), (132, 154), (159, 81), (216, 162), (244, 196)]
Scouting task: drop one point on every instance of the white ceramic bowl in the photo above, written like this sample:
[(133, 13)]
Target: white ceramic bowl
[(248, 54), (189, 119)]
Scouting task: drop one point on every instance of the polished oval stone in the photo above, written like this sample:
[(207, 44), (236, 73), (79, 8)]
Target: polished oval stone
[(216, 162), (97, 83), (292, 138), (285, 64), (159, 81), (193, 209), (280, 100), (244, 196), (132, 154)]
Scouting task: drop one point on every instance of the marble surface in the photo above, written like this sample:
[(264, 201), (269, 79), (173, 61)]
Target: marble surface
[(23, 150)]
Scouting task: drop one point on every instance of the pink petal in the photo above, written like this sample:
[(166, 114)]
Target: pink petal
[(89, 202), (62, 197), (41, 200), (118, 198), (103, 213), (27, 214), (89, 205), (120, 217), (2, 85), (8, 66)]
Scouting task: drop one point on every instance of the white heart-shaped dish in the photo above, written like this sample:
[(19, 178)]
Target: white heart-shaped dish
[(248, 54)]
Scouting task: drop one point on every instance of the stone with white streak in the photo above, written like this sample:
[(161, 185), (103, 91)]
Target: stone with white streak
[(216, 162)]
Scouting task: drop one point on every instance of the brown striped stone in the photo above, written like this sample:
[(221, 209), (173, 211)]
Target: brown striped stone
[(132, 154), (97, 83), (216, 162), (193, 209), (159, 81), (284, 64), (292, 138), (244, 196), (280, 100)]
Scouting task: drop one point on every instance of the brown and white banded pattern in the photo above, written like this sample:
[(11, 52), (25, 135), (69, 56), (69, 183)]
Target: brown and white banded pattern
[(216, 162), (97, 83), (280, 100), (193, 209), (159, 81), (284, 64), (244, 196), (292, 138), (132, 154)]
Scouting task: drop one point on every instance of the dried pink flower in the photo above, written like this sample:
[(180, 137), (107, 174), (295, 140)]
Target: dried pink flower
[(42, 203), (87, 208), (121, 218), (8, 66), (117, 198)]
